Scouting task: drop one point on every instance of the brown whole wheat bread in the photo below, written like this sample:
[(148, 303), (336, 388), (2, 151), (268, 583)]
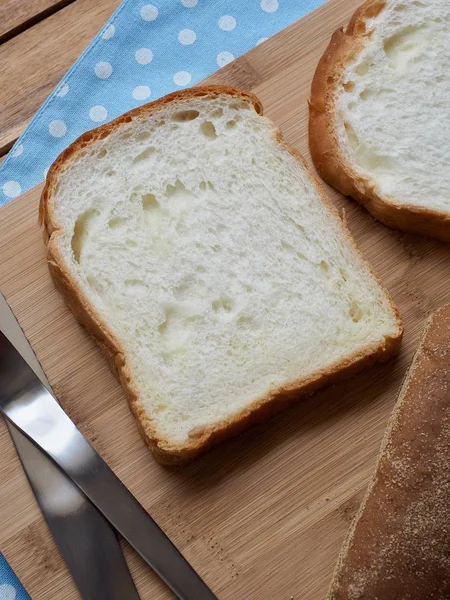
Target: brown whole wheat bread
[(378, 113), (398, 547), (199, 343)]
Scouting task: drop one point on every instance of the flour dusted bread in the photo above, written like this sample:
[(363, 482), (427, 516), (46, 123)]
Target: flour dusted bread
[(380, 117), (398, 548), (202, 256)]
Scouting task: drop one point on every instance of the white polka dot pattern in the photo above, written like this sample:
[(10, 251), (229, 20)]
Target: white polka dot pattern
[(109, 32), (103, 70), (98, 113), (57, 128), (12, 189), (223, 58), (63, 90), (143, 56), (146, 49), (187, 37), (227, 23), (141, 92), (149, 12), (182, 78), (269, 6), (15, 152), (7, 592)]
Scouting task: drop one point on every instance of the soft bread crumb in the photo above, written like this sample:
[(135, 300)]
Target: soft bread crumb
[(379, 115), (190, 239)]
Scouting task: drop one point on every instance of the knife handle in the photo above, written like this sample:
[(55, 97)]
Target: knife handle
[(29, 405)]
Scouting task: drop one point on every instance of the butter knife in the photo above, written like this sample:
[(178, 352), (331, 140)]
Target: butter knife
[(87, 542), (27, 403)]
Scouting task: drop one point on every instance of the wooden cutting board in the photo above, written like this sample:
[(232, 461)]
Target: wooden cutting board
[(261, 517)]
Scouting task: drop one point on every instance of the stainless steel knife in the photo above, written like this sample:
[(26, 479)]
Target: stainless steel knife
[(87, 541), (27, 403)]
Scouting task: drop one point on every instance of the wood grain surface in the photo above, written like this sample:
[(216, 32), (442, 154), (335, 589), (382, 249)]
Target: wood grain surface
[(41, 55), (263, 516), (18, 15)]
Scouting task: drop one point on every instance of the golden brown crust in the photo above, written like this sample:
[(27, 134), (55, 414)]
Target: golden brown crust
[(161, 448), (324, 145), (399, 544)]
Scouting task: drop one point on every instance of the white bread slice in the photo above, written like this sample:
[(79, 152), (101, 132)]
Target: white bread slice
[(207, 263), (380, 115)]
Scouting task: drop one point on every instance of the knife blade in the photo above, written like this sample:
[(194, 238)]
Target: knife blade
[(29, 405), (87, 542)]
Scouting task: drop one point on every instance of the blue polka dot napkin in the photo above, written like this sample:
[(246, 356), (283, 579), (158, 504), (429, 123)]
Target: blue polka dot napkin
[(144, 52), (10, 586)]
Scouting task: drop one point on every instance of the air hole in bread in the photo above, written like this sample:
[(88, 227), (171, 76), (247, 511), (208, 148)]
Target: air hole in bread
[(343, 273), (183, 116), (208, 130), (149, 202), (355, 311), (231, 124), (202, 185), (102, 153), (324, 266), (183, 289), (363, 68), (349, 86), (244, 321), (222, 305), (82, 226), (404, 46), (365, 94), (351, 135), (142, 136), (217, 114), (287, 247), (95, 284), (144, 155), (110, 173), (172, 190), (116, 222), (196, 432), (242, 104)]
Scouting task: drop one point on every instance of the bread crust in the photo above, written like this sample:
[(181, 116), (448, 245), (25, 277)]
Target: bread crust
[(323, 141), (398, 546), (161, 448)]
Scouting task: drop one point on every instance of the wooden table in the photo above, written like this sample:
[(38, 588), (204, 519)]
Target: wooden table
[(263, 516), (39, 41)]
